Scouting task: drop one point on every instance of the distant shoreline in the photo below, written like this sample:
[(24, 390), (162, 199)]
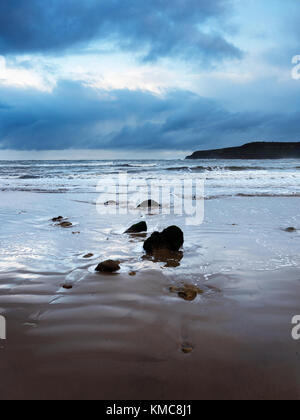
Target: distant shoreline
[(256, 150)]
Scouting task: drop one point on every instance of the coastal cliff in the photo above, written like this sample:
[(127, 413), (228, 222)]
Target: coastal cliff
[(257, 150)]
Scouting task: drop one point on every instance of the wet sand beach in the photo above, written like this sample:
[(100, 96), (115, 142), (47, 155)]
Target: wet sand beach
[(122, 338), (131, 335)]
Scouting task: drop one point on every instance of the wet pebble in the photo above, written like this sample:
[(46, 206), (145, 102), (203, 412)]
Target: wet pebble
[(187, 348), (65, 224), (290, 229), (57, 219), (187, 292), (108, 266), (88, 256), (67, 286)]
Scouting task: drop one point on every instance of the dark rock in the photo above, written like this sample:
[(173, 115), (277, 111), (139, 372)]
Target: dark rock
[(132, 273), (138, 228), (88, 256), (187, 348), (108, 266), (290, 229), (150, 204), (75, 233), (188, 295), (62, 222), (110, 203), (57, 219), (187, 292), (65, 224), (171, 238), (67, 286)]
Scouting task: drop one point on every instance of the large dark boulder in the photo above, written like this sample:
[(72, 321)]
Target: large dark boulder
[(108, 266), (171, 238), (138, 228)]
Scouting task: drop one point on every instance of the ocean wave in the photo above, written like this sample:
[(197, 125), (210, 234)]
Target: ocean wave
[(221, 178), (138, 165), (220, 168), (29, 177), (35, 190), (180, 168), (251, 195), (54, 165), (255, 194)]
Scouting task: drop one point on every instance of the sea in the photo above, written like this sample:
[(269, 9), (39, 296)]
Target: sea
[(223, 178)]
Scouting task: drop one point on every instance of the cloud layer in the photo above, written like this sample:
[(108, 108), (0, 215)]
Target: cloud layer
[(80, 74), (79, 117), (155, 28)]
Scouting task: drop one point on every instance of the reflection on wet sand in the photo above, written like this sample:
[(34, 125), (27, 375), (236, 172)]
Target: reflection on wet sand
[(128, 339), (170, 258)]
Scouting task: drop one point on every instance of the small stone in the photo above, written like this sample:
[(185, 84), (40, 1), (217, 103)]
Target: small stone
[(88, 256), (67, 286), (110, 203), (75, 233), (138, 228), (290, 229), (187, 292), (187, 348), (57, 219), (65, 224), (108, 266), (132, 273)]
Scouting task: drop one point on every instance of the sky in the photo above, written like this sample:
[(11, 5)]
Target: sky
[(127, 79)]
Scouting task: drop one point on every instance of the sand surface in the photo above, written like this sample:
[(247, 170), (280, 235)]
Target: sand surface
[(121, 336)]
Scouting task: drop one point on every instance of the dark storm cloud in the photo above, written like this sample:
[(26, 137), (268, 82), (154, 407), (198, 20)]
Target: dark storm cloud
[(77, 117), (157, 28)]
